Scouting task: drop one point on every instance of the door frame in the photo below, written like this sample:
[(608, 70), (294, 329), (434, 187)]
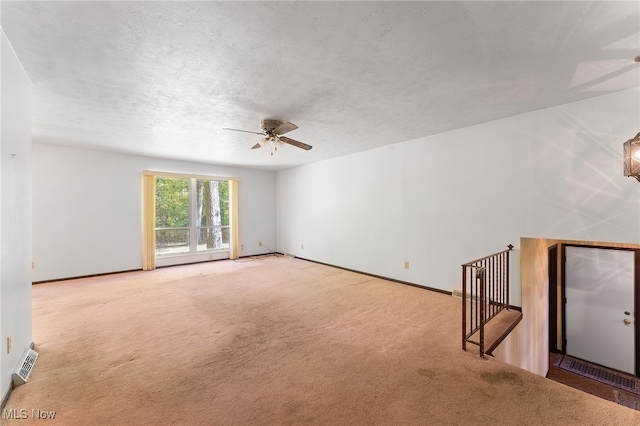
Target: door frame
[(553, 299), (636, 295)]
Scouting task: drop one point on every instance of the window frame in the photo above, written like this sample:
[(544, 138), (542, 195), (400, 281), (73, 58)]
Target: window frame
[(151, 260)]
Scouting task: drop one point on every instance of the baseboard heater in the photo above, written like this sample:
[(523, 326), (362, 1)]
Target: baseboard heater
[(25, 367), (458, 293)]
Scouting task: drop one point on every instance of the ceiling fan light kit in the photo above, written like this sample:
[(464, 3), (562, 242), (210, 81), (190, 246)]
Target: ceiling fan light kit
[(631, 155), (271, 135)]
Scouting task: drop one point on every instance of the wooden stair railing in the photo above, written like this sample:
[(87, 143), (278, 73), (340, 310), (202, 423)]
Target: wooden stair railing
[(485, 293)]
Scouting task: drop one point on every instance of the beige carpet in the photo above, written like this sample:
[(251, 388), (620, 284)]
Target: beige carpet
[(275, 341)]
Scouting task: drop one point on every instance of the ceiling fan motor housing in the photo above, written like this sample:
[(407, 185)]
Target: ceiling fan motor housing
[(269, 125)]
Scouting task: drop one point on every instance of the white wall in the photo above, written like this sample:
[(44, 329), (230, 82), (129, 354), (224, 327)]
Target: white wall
[(447, 199), (15, 212), (87, 209)]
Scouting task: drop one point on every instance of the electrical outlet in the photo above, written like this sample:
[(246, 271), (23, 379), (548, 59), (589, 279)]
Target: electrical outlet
[(241, 247), (259, 243), (301, 246), (406, 264), (9, 344)]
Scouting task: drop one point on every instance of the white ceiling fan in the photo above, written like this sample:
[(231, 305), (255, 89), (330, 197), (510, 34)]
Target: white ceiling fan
[(272, 131)]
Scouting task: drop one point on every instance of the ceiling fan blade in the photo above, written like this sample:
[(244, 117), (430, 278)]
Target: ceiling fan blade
[(245, 131), (284, 128), (295, 143), (256, 146)]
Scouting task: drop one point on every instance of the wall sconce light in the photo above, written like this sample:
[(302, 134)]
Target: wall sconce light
[(632, 157)]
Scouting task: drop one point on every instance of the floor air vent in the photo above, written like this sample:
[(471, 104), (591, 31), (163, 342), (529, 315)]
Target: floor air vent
[(603, 374), (24, 368), (611, 377)]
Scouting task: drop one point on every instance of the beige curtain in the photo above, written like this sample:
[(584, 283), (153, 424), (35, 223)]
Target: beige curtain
[(233, 219), (149, 222)]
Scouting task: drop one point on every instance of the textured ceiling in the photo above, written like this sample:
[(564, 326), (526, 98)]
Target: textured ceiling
[(164, 78)]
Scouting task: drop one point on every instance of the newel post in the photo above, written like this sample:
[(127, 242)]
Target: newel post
[(510, 247), (464, 308), (480, 276)]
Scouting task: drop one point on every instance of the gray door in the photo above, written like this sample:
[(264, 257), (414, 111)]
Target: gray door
[(599, 291)]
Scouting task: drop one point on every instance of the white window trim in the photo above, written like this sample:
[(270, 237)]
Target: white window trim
[(191, 257), (187, 175)]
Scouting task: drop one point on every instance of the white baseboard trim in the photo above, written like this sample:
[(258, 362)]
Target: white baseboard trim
[(7, 393)]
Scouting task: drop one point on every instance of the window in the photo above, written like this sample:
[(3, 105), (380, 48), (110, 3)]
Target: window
[(188, 218), (191, 215), (212, 214)]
